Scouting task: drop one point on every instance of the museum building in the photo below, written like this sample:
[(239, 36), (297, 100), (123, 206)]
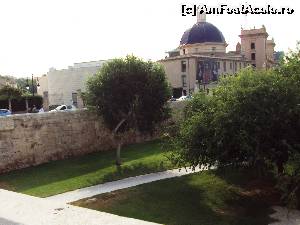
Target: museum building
[(201, 57)]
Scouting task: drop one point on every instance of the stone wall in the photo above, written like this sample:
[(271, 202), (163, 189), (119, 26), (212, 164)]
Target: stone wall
[(32, 139)]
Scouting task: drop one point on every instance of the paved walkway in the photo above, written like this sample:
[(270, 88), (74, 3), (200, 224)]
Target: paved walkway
[(121, 184), (285, 217), (20, 209)]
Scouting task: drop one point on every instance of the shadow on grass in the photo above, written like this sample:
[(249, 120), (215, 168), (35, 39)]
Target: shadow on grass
[(205, 198), (125, 171)]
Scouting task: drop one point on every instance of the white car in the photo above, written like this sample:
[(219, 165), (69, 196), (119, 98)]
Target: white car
[(182, 98), (63, 108)]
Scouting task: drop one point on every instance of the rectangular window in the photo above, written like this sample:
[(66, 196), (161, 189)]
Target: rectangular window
[(183, 66), (252, 56), (224, 66), (240, 65), (74, 99), (183, 78), (230, 65), (252, 45)]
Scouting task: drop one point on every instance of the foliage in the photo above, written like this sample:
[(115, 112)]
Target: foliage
[(131, 90), (23, 82), (289, 183), (290, 65), (9, 92), (19, 104), (252, 119)]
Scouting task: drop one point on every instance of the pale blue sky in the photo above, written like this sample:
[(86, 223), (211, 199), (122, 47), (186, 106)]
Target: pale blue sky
[(39, 34)]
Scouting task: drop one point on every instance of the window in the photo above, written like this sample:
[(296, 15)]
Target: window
[(240, 65), (230, 65), (183, 66), (252, 45), (235, 66), (184, 51), (218, 63), (245, 64), (74, 99), (183, 78), (252, 56), (224, 66)]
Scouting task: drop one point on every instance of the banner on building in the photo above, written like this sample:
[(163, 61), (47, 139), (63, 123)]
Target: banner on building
[(207, 71)]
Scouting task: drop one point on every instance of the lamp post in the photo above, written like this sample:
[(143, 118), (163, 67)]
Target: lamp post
[(32, 89), (32, 85)]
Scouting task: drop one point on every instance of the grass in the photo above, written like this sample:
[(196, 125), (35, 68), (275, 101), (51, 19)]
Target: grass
[(70, 174), (206, 198)]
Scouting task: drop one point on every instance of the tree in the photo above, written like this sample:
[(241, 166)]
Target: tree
[(129, 94), (9, 92), (252, 119), (23, 82)]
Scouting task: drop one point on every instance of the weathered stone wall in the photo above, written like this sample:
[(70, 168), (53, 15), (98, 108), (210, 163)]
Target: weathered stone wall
[(32, 139)]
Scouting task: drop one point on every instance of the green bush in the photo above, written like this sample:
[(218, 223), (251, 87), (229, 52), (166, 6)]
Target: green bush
[(252, 119)]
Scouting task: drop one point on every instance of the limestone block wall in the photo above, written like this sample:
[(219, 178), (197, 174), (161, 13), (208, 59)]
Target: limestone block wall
[(32, 139)]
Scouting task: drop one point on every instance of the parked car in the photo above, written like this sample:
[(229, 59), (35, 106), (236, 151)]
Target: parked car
[(172, 99), (63, 108), (184, 97), (5, 112)]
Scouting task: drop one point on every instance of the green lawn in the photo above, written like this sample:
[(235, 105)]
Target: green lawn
[(206, 198), (65, 175)]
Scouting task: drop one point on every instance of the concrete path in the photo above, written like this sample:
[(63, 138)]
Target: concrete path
[(121, 184), (285, 217), (20, 209)]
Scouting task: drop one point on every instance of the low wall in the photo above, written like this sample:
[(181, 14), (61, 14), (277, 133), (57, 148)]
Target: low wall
[(32, 139)]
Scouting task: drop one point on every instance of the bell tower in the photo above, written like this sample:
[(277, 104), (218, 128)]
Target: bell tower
[(201, 17)]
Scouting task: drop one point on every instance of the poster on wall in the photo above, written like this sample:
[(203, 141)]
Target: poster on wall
[(207, 71)]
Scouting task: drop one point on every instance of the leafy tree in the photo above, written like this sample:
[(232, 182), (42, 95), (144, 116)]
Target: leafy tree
[(129, 94), (290, 65), (23, 82), (252, 119), (9, 92)]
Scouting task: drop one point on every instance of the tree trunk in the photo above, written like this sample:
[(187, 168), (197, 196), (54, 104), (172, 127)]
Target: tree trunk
[(9, 105), (280, 167), (118, 155), (119, 141), (26, 102)]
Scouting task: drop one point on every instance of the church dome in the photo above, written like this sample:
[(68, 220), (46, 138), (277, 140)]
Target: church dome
[(202, 32)]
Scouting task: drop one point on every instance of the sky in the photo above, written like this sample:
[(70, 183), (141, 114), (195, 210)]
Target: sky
[(39, 34)]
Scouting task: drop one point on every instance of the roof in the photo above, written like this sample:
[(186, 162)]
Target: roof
[(202, 32)]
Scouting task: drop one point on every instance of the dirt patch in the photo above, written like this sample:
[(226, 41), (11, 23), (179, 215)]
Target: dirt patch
[(6, 186), (263, 190), (255, 194), (104, 200)]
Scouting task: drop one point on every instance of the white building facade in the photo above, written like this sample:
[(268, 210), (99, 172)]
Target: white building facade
[(64, 86)]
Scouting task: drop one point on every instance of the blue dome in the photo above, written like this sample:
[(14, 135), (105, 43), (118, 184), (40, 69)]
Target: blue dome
[(202, 32)]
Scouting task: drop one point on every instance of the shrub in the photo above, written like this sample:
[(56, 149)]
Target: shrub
[(251, 119)]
